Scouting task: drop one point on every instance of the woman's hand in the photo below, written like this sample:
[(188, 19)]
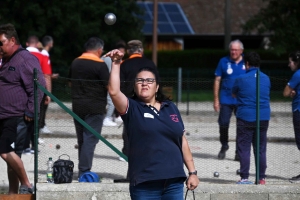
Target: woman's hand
[(115, 55), (192, 182)]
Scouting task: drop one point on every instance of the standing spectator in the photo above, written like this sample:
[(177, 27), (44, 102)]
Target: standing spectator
[(47, 43), (32, 44), (129, 68), (244, 89), (89, 76), (228, 69), (292, 89), (157, 145), (108, 120), (16, 105)]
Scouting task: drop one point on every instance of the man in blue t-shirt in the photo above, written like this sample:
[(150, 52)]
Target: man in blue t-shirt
[(292, 89), (228, 69), (245, 89)]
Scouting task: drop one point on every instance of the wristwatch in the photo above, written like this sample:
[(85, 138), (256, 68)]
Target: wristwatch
[(191, 173)]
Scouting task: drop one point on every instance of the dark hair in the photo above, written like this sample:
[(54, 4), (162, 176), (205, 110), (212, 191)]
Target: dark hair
[(93, 43), (9, 31), (295, 56), (46, 40), (120, 44), (252, 58), (32, 39), (159, 94)]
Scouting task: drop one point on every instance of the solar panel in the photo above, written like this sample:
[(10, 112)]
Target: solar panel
[(171, 18)]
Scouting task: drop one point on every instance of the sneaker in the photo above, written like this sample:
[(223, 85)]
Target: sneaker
[(26, 190), (244, 181), (262, 181), (40, 141), (222, 152), (295, 179), (108, 122), (27, 151), (118, 119), (122, 159), (236, 157), (45, 130)]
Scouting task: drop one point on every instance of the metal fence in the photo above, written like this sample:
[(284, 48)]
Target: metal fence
[(193, 96)]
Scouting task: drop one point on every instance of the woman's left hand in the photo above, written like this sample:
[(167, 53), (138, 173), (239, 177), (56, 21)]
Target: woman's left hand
[(192, 182)]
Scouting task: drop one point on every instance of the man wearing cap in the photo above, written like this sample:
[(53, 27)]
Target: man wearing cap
[(128, 71)]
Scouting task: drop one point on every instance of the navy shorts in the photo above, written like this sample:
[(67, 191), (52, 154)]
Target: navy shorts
[(13, 133)]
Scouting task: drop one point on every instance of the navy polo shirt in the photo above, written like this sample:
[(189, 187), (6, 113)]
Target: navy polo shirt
[(245, 90), (228, 70), (294, 83), (155, 141)]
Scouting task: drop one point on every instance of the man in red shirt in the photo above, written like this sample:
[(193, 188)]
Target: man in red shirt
[(32, 47), (47, 43)]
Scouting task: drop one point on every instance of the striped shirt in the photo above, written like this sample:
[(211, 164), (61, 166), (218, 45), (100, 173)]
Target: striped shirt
[(17, 85)]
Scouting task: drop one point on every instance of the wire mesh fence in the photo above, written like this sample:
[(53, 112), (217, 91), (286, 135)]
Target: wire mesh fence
[(194, 98)]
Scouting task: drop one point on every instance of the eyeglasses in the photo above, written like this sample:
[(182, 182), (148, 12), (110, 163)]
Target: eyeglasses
[(147, 80)]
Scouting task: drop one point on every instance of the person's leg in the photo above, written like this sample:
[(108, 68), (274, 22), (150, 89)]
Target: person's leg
[(79, 135), (42, 115), (262, 148), (150, 190), (89, 142), (9, 144), (296, 124), (224, 120), (22, 134), (110, 107), (173, 189), (30, 130), (244, 139)]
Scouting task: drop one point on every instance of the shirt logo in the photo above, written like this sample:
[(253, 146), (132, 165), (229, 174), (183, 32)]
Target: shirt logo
[(148, 115), (11, 68), (229, 68), (174, 118)]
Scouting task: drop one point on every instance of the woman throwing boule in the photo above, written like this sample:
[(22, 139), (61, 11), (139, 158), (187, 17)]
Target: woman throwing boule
[(157, 145)]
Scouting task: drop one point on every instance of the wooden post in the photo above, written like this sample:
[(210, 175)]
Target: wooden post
[(154, 34)]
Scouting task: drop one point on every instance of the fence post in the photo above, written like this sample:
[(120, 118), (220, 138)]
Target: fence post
[(179, 88), (257, 124), (36, 128)]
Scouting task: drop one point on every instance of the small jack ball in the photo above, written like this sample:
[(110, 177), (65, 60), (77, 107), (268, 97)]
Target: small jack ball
[(238, 171), (76, 146), (57, 146), (216, 174), (110, 18)]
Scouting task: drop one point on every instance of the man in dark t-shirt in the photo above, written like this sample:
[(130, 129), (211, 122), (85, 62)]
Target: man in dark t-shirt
[(89, 76), (128, 71)]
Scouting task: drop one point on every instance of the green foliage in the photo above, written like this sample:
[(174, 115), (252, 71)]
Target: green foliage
[(71, 23), (280, 19)]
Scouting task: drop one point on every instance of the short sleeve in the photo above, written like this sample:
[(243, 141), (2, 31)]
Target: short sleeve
[(295, 80)]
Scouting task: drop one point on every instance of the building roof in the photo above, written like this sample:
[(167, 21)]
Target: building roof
[(171, 19), (206, 17)]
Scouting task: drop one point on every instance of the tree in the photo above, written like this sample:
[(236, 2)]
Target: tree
[(71, 23), (281, 20)]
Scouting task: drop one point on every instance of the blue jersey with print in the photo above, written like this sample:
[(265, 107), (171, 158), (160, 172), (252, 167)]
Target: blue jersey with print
[(294, 83), (155, 141), (228, 70), (245, 90)]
